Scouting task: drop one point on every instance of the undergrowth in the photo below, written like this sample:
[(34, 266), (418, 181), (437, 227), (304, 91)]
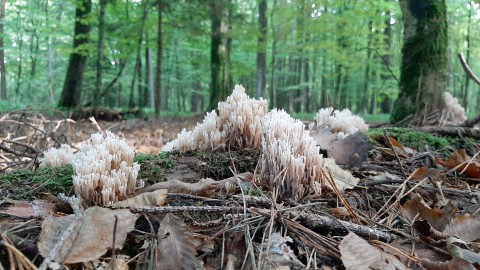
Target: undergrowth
[(28, 184)]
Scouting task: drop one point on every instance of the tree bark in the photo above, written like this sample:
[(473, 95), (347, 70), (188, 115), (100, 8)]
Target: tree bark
[(138, 61), (148, 94), (158, 71), (101, 34), (219, 52), (3, 83), (424, 59), (262, 48), (72, 87)]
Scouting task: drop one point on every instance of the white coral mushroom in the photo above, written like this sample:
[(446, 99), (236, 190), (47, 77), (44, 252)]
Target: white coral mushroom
[(104, 170), (57, 156), (236, 126), (340, 121)]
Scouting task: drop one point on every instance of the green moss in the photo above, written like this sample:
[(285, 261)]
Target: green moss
[(217, 164), (28, 184), (153, 167), (417, 140)]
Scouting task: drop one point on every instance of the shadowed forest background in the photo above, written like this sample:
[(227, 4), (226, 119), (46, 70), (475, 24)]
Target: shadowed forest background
[(299, 54)]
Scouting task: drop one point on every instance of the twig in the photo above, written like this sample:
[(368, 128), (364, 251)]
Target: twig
[(113, 241), (389, 143)]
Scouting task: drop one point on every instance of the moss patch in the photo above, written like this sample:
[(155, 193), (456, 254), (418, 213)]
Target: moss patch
[(417, 140), (153, 168), (217, 165), (28, 184)]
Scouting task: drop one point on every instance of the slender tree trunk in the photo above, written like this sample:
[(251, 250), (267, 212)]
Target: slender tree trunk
[(273, 93), (323, 84), (158, 71), (363, 105), (101, 34), (138, 60), (386, 105), (50, 85), (72, 87), (262, 48), (148, 94), (219, 52), (3, 83), (19, 41), (34, 48), (424, 59), (467, 40)]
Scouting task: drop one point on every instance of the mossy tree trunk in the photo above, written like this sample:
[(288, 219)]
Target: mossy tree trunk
[(424, 59)]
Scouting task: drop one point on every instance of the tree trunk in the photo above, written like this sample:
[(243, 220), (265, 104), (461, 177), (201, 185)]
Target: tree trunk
[(3, 83), (72, 87), (148, 94), (387, 60), (363, 105), (467, 40), (219, 52), (19, 41), (262, 48), (424, 59), (101, 34), (158, 71), (138, 61)]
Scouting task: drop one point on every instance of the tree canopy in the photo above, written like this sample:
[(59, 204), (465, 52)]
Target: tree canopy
[(317, 53)]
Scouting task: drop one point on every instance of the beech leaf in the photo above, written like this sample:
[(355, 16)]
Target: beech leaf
[(85, 236), (176, 249)]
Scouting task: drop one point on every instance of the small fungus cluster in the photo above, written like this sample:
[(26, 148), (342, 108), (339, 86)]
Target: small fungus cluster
[(343, 122), (236, 126), (57, 156), (104, 170)]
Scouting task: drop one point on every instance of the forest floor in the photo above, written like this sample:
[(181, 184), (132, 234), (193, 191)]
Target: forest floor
[(416, 205)]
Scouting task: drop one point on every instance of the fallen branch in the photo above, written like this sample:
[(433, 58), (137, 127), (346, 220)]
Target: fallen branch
[(467, 69)]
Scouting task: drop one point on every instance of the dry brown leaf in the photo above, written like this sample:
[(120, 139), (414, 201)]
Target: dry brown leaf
[(466, 227), (24, 209), (343, 179), (154, 198), (459, 157), (119, 263), (176, 247), (437, 218), (205, 187), (425, 172), (85, 236), (358, 254)]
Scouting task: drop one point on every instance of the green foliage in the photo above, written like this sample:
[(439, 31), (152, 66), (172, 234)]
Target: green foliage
[(334, 40), (27, 184)]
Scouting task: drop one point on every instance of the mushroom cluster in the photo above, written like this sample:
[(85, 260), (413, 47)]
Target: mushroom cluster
[(57, 156), (236, 126), (342, 122), (104, 171), (290, 161)]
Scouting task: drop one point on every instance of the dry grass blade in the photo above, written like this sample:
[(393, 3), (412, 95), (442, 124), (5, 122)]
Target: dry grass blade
[(17, 257), (176, 248)]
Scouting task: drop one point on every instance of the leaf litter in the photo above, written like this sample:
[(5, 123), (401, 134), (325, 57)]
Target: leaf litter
[(410, 209)]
